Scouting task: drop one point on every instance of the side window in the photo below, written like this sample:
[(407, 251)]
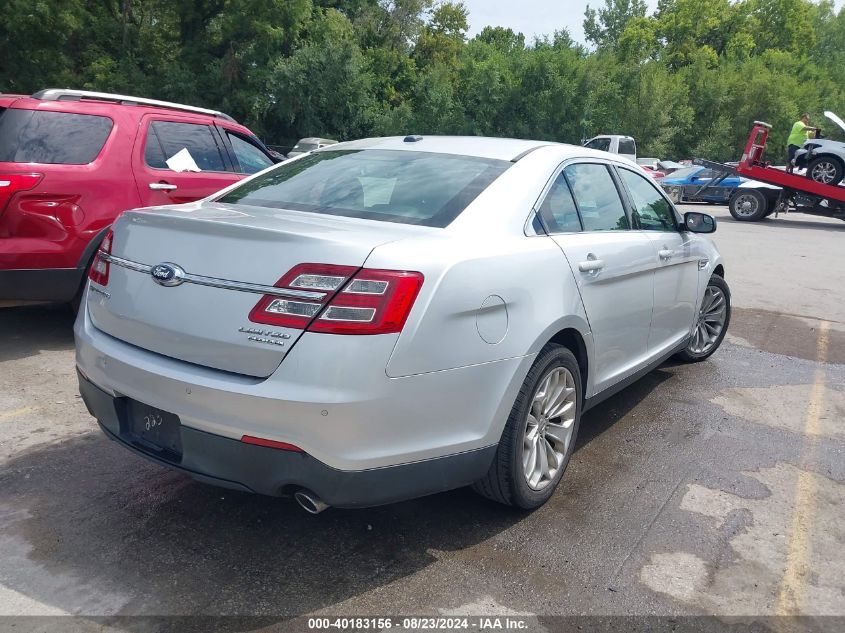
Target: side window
[(602, 144), (165, 139), (250, 158), (558, 208), (627, 146), (597, 197), (652, 212), (153, 153), (53, 138)]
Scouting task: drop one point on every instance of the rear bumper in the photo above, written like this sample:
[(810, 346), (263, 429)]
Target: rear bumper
[(233, 464), (330, 396), (57, 284)]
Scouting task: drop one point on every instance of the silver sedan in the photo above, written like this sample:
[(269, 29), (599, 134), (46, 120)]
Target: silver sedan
[(393, 317)]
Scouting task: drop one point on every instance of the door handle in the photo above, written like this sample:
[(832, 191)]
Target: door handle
[(162, 186), (665, 253), (591, 266)]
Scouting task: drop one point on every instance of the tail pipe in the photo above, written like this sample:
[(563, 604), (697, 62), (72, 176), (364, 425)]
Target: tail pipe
[(310, 502)]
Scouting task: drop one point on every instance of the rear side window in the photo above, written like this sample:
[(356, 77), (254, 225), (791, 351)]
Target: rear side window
[(165, 139), (389, 185), (597, 197), (602, 144), (250, 158), (627, 146), (558, 209), (39, 136)]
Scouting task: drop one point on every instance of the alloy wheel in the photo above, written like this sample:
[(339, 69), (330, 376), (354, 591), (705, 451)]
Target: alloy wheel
[(711, 321), (548, 433), (824, 172)]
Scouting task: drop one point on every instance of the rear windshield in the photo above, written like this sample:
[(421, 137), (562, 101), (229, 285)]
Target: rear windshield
[(686, 172), (627, 146), (38, 136), (389, 185), (602, 144)]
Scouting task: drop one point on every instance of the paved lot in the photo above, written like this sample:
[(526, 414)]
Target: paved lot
[(713, 488)]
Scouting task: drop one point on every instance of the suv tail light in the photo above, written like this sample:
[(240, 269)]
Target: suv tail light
[(356, 301), (10, 184), (99, 271)]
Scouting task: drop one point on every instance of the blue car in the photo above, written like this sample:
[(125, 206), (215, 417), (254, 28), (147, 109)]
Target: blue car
[(685, 185)]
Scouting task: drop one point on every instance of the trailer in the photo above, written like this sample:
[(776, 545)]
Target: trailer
[(780, 191)]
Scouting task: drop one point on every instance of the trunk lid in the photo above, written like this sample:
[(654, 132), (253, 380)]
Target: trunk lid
[(208, 324), (830, 115)]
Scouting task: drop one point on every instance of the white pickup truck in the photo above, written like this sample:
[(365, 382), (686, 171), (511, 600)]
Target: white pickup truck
[(615, 144)]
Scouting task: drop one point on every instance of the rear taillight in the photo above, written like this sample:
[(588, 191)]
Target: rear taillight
[(99, 271), (10, 184), (298, 313), (354, 301)]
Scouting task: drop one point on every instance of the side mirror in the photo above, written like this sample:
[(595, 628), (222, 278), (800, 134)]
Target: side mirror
[(696, 222)]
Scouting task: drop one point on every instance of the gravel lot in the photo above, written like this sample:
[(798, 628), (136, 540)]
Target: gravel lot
[(715, 488)]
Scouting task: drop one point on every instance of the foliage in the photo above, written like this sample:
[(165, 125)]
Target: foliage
[(687, 79)]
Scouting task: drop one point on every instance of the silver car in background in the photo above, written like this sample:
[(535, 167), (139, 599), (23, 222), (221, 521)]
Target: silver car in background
[(394, 317), (309, 144)]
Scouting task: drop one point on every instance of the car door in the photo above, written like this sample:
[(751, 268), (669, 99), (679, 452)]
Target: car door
[(676, 254), (613, 265), (199, 164)]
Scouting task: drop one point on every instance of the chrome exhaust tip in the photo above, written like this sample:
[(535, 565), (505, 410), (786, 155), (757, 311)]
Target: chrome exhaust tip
[(310, 502)]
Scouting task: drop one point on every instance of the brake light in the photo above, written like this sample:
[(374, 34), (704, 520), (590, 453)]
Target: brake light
[(99, 271), (354, 301), (10, 184)]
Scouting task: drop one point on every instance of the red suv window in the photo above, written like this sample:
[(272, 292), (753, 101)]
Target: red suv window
[(39, 136), (167, 138)]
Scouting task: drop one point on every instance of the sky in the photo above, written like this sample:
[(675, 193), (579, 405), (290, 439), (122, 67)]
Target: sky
[(538, 17), (533, 17)]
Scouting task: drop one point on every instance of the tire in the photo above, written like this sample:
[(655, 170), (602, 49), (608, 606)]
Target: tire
[(748, 205), (827, 170), (76, 301), (507, 482), (694, 351)]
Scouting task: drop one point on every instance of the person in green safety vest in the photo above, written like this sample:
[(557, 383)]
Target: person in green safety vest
[(801, 131)]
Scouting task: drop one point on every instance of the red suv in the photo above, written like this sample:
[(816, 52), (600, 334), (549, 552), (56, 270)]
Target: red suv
[(71, 161)]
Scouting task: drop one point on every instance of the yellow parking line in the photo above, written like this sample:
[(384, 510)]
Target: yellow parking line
[(5, 415), (798, 555)]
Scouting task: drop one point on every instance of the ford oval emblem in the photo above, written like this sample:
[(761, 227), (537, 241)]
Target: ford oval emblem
[(167, 274)]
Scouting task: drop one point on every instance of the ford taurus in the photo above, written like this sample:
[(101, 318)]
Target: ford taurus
[(389, 318)]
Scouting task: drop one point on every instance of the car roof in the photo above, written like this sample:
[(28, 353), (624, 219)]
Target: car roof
[(8, 99), (80, 100), (481, 146)]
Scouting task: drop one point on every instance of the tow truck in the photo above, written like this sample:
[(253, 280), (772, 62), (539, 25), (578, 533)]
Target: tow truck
[(774, 190)]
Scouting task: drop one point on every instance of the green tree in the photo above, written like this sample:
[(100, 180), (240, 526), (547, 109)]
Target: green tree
[(603, 27)]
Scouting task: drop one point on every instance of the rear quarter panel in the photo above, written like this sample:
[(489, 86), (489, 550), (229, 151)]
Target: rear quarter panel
[(483, 300)]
